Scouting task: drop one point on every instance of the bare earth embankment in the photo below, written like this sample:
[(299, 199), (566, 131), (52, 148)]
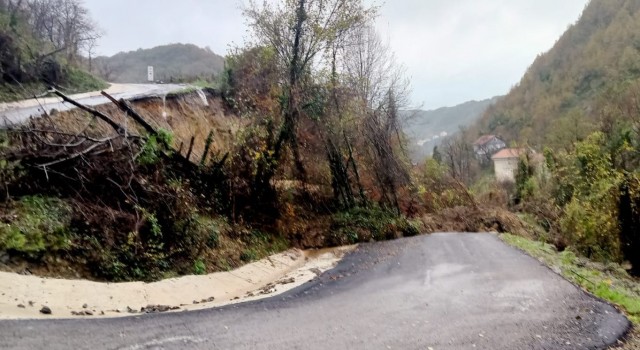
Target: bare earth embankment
[(23, 297)]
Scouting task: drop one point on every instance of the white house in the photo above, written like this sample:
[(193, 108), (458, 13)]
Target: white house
[(506, 162), (487, 145)]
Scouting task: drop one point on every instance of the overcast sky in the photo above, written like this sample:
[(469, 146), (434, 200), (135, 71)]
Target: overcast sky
[(454, 51)]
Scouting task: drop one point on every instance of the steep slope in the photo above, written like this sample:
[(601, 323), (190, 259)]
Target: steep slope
[(425, 129), (555, 101), (174, 62)]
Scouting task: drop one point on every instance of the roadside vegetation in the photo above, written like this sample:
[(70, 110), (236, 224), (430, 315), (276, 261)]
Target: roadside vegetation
[(42, 44), (575, 117), (608, 281), (576, 193), (586, 192), (301, 146)]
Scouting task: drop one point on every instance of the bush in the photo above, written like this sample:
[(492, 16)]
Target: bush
[(10, 171), (80, 81), (590, 218), (364, 224), (249, 255), (439, 190), (36, 225), (260, 244), (592, 231), (197, 233), (155, 145), (199, 267)]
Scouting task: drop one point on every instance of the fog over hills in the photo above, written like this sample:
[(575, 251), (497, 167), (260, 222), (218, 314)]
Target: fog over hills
[(174, 62), (426, 129)]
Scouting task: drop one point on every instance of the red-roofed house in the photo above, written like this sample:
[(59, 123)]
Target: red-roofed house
[(505, 163), (487, 145)]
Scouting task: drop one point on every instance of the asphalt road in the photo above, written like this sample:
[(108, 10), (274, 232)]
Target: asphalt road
[(17, 112), (443, 291)]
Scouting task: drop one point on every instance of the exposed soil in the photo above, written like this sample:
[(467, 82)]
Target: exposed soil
[(28, 297), (470, 219)]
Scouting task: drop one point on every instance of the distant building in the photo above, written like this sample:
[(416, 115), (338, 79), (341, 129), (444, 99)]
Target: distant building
[(487, 145), (506, 162)]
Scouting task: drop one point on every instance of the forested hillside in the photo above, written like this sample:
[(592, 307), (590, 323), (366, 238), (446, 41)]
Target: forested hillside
[(556, 101), (172, 63), (285, 155), (579, 105), (41, 44), (427, 129)]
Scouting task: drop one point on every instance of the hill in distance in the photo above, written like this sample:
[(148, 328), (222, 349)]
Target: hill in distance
[(556, 102), (426, 129), (172, 63)]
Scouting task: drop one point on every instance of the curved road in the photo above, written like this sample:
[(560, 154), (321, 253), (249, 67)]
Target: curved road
[(18, 112), (443, 291)]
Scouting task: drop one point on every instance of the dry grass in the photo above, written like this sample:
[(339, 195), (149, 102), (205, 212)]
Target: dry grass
[(632, 342)]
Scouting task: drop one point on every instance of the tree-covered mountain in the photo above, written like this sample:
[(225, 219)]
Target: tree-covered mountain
[(174, 62), (579, 105), (426, 129), (555, 103)]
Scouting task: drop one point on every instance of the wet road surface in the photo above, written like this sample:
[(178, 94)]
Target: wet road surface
[(442, 291), (18, 112)]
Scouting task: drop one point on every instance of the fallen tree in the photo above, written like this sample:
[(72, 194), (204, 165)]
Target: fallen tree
[(139, 207)]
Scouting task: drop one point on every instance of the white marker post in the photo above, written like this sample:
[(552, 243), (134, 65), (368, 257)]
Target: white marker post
[(150, 74)]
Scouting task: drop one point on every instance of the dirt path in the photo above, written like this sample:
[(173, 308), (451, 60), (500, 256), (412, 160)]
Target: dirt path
[(22, 297)]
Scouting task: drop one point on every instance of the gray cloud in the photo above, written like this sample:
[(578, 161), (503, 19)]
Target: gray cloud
[(454, 51)]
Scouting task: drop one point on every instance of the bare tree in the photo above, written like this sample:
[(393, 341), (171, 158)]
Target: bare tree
[(458, 156), (382, 90), (299, 31), (64, 24)]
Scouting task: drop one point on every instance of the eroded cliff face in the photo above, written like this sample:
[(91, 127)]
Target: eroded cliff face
[(190, 115), (98, 196)]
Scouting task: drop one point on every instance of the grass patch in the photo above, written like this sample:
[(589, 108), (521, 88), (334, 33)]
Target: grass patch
[(364, 224), (199, 267), (10, 92), (75, 81), (78, 80), (260, 245), (205, 84), (193, 87), (36, 225), (606, 281)]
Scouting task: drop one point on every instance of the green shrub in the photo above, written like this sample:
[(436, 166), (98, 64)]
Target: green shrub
[(590, 220), (199, 232), (10, 171), (438, 189), (249, 255), (592, 230), (410, 228), (199, 267), (364, 224), (155, 145), (261, 244), (36, 226), (80, 81)]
